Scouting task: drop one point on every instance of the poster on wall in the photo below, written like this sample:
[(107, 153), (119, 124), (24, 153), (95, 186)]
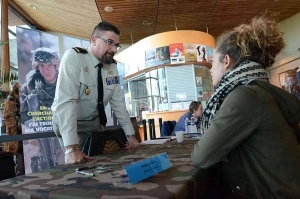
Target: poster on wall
[(201, 53), (290, 81), (190, 53), (38, 62), (199, 81), (199, 92), (150, 58), (181, 96), (180, 105), (209, 51), (177, 53), (162, 55)]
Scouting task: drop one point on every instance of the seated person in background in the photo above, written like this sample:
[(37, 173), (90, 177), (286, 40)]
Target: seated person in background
[(195, 110), (248, 123)]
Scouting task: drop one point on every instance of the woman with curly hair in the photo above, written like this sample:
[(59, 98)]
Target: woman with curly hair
[(249, 125)]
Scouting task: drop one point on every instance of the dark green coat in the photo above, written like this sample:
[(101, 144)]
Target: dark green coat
[(258, 148)]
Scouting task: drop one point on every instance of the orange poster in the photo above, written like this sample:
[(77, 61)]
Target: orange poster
[(176, 53)]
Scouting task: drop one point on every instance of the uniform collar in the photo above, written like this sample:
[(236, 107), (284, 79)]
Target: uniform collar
[(95, 61)]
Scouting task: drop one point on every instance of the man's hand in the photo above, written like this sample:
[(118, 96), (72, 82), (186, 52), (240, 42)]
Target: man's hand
[(76, 156), (132, 142)]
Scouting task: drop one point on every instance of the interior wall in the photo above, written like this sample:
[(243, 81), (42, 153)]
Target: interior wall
[(291, 36), (290, 57)]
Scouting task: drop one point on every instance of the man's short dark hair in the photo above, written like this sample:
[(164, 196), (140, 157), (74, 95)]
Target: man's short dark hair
[(194, 106), (106, 26)]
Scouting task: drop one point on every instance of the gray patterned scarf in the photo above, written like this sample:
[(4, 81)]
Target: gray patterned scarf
[(246, 72)]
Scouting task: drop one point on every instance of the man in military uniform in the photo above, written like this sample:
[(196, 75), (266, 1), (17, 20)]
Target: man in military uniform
[(39, 88), (78, 108)]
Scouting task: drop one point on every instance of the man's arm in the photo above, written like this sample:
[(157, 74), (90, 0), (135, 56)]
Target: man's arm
[(237, 118), (66, 97)]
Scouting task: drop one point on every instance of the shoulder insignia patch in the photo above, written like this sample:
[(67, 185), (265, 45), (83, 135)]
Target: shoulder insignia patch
[(80, 50)]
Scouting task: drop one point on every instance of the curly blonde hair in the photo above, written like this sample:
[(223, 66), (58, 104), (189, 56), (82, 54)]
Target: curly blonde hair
[(259, 41)]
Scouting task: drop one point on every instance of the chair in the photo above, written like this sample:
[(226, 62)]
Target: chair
[(106, 141), (167, 128), (151, 126)]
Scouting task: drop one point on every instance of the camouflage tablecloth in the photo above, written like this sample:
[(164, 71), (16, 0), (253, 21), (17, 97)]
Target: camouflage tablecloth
[(182, 181)]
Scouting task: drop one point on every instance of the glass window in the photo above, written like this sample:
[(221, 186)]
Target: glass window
[(13, 22), (147, 93), (136, 95)]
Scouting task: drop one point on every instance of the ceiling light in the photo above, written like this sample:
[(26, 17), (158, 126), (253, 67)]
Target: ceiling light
[(108, 9), (147, 23), (32, 6), (273, 14)]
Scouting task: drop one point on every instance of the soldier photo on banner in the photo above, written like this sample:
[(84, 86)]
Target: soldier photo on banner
[(38, 63)]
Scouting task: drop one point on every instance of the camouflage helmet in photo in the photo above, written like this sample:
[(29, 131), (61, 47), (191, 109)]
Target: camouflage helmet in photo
[(44, 55)]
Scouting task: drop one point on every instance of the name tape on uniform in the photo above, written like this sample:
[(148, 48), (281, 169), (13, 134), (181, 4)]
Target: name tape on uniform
[(141, 170), (112, 80)]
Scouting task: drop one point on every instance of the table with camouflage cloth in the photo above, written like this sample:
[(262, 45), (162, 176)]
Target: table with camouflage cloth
[(183, 180)]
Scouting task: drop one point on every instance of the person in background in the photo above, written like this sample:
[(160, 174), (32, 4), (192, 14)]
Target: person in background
[(248, 123), (195, 110), (87, 80)]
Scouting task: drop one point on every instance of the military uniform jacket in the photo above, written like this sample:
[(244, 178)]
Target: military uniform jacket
[(76, 94)]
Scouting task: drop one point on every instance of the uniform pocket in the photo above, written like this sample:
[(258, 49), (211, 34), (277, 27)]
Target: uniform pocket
[(87, 87), (110, 87)]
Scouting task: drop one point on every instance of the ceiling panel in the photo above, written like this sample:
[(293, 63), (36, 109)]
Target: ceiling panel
[(78, 17), (72, 17)]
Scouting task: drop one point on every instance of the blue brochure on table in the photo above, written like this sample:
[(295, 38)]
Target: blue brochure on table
[(141, 170)]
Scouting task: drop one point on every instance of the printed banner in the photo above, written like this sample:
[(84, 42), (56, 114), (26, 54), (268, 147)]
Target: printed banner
[(162, 55), (38, 63)]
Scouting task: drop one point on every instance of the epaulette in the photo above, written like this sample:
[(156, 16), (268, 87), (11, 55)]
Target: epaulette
[(80, 50)]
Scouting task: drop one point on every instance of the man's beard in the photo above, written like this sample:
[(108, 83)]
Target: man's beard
[(106, 59)]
